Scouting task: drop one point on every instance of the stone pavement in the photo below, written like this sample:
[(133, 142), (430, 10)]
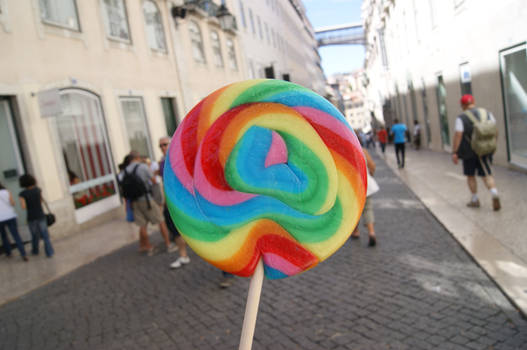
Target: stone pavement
[(496, 240), (418, 289)]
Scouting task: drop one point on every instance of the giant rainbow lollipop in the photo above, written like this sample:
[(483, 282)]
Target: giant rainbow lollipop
[(265, 170)]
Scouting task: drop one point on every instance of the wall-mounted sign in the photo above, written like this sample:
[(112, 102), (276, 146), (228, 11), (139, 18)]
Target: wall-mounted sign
[(49, 103), (464, 71)]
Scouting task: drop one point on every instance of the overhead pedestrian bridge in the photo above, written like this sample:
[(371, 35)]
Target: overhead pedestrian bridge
[(343, 34)]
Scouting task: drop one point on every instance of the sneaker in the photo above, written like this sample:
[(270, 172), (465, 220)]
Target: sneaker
[(226, 282), (496, 205), (372, 242), (25, 258), (172, 248), (150, 251), (182, 260), (473, 204)]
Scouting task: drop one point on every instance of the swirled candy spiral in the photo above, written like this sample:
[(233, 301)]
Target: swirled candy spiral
[(265, 169)]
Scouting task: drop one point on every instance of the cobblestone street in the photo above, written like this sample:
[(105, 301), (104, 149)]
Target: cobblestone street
[(416, 290)]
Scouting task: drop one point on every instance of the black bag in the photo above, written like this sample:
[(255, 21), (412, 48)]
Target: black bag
[(133, 187), (50, 218)]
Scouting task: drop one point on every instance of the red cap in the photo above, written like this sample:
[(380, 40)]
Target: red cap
[(467, 99)]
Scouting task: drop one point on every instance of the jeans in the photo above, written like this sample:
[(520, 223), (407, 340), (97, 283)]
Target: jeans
[(39, 229), (12, 226), (399, 147)]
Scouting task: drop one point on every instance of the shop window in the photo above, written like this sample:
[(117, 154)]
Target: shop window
[(84, 147), (216, 48), (115, 20), (514, 83), (154, 26), (170, 113), (136, 126), (197, 42), (231, 53), (62, 13), (442, 110)]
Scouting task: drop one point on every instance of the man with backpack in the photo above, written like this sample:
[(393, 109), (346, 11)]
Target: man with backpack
[(475, 142), (136, 187)]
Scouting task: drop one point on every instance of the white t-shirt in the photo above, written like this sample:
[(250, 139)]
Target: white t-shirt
[(7, 211), (459, 122)]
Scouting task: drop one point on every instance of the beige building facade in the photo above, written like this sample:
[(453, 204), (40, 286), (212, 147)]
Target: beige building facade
[(422, 56), (84, 82)]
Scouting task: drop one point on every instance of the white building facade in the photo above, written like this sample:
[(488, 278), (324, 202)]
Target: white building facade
[(422, 56), (84, 82)]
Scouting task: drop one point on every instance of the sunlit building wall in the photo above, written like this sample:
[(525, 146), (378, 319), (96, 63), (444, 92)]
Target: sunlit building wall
[(84, 82), (278, 41), (423, 55)]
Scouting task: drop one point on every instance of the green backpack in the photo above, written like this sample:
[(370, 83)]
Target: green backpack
[(484, 133)]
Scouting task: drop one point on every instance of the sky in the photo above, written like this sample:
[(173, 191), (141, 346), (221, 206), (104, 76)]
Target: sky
[(321, 13)]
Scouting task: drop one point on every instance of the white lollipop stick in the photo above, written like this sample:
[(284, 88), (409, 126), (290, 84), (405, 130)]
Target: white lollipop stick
[(251, 308)]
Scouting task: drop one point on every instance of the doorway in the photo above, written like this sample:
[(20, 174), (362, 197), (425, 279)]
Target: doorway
[(11, 161)]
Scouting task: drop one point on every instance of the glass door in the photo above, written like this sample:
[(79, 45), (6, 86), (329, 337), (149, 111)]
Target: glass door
[(514, 84), (11, 165)]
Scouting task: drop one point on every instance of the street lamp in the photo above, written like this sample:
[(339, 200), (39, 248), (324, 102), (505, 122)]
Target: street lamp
[(226, 18)]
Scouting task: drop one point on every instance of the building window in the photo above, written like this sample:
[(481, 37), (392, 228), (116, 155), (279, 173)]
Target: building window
[(514, 83), (216, 48), (252, 21), (465, 79), (62, 13), (242, 13), (136, 126), (155, 34), (197, 42), (116, 20), (260, 33), (231, 53), (84, 147), (170, 113), (442, 109)]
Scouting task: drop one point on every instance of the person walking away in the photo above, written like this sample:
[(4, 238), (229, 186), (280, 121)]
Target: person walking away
[(475, 147), (31, 200), (382, 136), (417, 135), (136, 187), (176, 236), (398, 131), (367, 214), (8, 220)]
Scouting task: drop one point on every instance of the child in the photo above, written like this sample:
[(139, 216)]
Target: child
[(8, 218), (367, 214), (31, 199)]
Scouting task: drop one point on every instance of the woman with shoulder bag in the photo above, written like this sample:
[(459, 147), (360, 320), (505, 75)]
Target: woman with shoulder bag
[(8, 219), (31, 199)]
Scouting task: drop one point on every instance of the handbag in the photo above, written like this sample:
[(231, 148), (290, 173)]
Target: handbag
[(50, 217)]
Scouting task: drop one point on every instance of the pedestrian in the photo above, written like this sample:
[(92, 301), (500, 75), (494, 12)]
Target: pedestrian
[(382, 136), (136, 187), (398, 131), (417, 135), (174, 233), (368, 217), (8, 219), (463, 148), (127, 203), (31, 199)]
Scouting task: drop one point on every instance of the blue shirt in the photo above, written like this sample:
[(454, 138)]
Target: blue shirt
[(399, 130)]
